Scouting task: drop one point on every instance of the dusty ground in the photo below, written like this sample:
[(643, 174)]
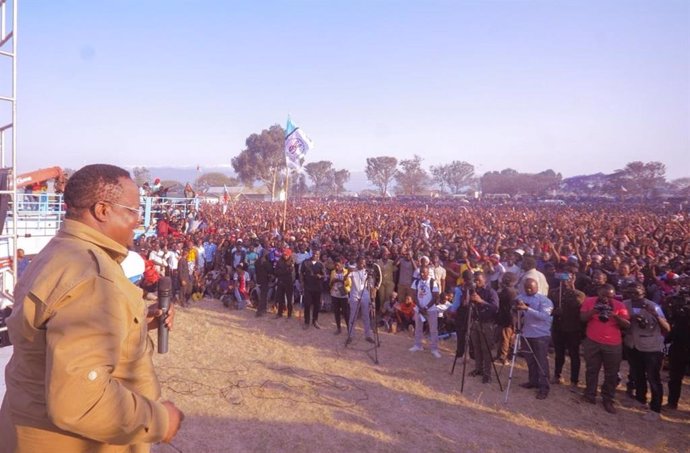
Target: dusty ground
[(250, 384)]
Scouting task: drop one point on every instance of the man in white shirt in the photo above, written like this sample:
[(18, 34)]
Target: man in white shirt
[(360, 298), (156, 256), (425, 292), (529, 267)]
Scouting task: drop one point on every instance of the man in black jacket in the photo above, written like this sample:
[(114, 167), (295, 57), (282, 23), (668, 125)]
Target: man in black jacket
[(285, 282), (312, 273), (263, 269), (567, 329), (483, 311)]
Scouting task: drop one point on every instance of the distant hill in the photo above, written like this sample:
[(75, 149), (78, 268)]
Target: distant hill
[(358, 179)]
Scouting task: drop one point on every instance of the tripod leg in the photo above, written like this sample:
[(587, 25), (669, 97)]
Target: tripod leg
[(372, 313), (466, 352), (486, 343), (353, 319), (516, 346)]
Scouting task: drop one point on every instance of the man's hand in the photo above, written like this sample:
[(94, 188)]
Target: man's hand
[(153, 313), (474, 297), (175, 418), (520, 305)]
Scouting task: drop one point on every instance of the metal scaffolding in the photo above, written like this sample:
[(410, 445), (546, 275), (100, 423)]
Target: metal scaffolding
[(8, 143)]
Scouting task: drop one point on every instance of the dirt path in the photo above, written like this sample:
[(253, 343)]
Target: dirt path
[(250, 384)]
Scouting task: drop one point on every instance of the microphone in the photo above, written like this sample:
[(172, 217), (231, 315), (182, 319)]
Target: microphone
[(164, 289)]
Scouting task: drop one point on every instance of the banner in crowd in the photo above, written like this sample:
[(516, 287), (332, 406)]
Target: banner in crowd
[(297, 144)]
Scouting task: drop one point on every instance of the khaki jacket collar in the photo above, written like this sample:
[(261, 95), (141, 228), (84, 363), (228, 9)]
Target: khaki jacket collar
[(84, 232)]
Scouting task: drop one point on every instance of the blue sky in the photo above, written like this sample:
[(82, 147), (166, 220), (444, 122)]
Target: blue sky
[(576, 86)]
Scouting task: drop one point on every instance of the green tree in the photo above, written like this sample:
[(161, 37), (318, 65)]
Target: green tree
[(454, 175), (298, 185), (341, 177), (512, 182), (412, 179), (322, 175), (681, 186), (263, 159), (381, 171), (141, 175), (639, 178)]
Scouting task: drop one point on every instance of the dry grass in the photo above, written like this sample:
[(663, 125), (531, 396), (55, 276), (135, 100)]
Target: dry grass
[(250, 384)]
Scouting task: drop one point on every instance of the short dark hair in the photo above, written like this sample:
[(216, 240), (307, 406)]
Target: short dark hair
[(529, 263), (91, 184)]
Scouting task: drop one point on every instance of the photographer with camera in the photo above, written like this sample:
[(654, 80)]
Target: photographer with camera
[(566, 331), (678, 309), (536, 328), (483, 311), (606, 317), (645, 344), (505, 316)]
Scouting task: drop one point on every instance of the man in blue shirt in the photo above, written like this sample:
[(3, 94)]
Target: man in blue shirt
[(536, 329)]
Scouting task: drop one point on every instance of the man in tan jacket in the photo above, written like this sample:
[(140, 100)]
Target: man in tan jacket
[(81, 378)]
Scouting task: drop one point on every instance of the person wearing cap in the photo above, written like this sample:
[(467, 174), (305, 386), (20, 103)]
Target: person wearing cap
[(238, 253), (156, 186), (494, 270), (285, 281)]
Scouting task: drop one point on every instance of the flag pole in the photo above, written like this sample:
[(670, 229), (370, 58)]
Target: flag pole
[(287, 187)]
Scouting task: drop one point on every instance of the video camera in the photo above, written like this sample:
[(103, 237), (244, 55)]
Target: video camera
[(604, 308), (679, 305), (471, 286)]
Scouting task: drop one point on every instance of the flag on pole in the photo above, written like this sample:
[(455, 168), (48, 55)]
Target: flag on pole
[(226, 195), (297, 144)]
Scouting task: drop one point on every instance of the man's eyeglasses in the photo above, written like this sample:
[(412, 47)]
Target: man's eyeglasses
[(136, 211)]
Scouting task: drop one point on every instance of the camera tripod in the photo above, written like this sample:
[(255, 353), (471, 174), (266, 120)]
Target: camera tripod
[(472, 314), (375, 328), (516, 347)]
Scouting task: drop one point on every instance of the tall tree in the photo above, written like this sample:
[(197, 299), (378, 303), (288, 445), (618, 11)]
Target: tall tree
[(381, 171), (141, 175), (512, 182), (639, 178), (454, 175), (322, 175), (412, 179), (263, 159), (340, 178)]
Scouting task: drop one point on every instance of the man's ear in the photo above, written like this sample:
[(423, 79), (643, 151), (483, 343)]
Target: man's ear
[(100, 211)]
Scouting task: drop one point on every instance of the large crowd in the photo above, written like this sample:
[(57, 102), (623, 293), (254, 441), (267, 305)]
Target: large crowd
[(601, 277)]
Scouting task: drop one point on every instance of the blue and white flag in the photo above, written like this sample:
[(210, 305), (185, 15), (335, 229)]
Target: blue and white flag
[(297, 144)]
